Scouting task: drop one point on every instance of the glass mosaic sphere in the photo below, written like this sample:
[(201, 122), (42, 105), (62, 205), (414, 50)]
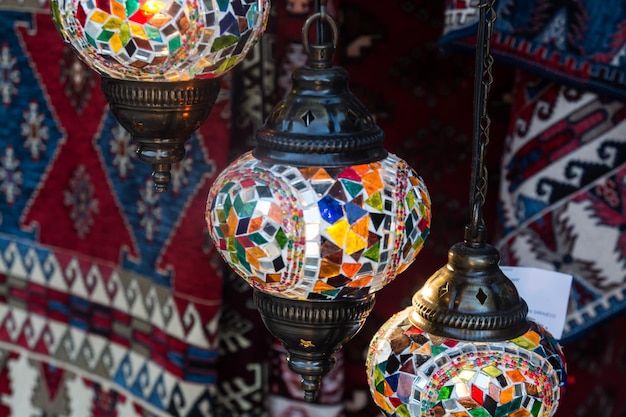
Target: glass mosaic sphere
[(412, 373), (318, 233), (157, 40)]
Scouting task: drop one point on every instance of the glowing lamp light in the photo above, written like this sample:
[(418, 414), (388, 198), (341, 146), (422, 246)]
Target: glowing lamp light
[(160, 39)]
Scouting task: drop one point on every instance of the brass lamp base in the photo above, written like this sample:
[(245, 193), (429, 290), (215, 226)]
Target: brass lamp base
[(161, 117), (312, 331)]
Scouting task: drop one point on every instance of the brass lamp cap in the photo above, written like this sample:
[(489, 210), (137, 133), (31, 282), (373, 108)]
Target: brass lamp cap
[(470, 298)]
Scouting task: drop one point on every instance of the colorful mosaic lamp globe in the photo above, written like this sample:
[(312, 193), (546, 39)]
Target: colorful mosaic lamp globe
[(319, 216), (466, 348), (160, 62)]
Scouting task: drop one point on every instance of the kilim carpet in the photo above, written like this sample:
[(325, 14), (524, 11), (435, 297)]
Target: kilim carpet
[(112, 300)]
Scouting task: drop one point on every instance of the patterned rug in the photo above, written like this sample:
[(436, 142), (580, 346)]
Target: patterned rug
[(109, 296)]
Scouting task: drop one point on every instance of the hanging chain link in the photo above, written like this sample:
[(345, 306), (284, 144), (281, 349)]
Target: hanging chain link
[(483, 79)]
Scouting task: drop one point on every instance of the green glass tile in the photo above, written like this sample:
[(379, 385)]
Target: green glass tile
[(91, 40), (257, 238), (226, 187), (153, 33), (248, 209), (437, 349), (353, 188), (56, 16), (238, 206), (516, 403), (375, 201), (536, 408), (230, 244), (223, 5), (331, 293), (105, 35), (228, 63), (124, 33), (281, 238), (445, 392), (479, 412), (410, 198), (373, 253), (503, 410), (403, 411), (228, 204), (174, 43), (131, 7), (113, 23), (380, 387), (224, 42)]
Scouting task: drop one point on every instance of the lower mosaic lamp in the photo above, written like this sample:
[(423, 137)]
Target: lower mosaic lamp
[(161, 62), (318, 217), (465, 348)]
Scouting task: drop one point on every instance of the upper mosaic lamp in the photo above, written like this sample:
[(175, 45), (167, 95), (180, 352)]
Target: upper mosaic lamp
[(160, 40)]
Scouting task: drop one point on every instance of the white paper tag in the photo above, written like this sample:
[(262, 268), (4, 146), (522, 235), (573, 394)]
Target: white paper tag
[(546, 293)]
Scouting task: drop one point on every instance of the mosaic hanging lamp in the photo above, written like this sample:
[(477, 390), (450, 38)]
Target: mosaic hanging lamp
[(319, 216), (465, 348), (160, 62)]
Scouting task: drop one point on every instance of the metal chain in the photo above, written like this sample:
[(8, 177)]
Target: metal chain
[(483, 78)]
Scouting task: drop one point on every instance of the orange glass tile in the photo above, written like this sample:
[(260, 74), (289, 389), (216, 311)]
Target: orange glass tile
[(232, 222), (533, 337), (361, 227), (329, 269), (460, 414), (506, 395), (276, 213), (338, 231), (516, 376), (522, 412), (361, 282), (255, 224), (362, 169), (372, 182), (137, 30), (159, 20), (322, 286), (253, 255), (354, 243), (388, 390), (99, 16), (272, 278), (349, 268)]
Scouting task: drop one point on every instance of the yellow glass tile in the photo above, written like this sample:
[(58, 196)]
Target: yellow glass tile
[(99, 16), (329, 269), (354, 243), (506, 395), (113, 23), (522, 412), (255, 224), (116, 43), (375, 200), (322, 286), (349, 268), (152, 6), (372, 182), (361, 282), (338, 231), (516, 376), (383, 403), (410, 199), (361, 227), (137, 30), (467, 375), (492, 371)]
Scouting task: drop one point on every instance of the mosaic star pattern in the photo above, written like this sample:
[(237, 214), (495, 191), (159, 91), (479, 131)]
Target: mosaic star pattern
[(412, 373), (318, 233), (160, 39)]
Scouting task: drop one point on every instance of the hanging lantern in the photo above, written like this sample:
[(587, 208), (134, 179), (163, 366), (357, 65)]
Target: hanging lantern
[(465, 348), (160, 62), (319, 216)]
